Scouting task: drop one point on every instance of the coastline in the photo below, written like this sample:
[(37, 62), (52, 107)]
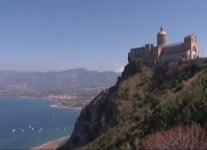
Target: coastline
[(64, 107), (53, 144), (56, 105)]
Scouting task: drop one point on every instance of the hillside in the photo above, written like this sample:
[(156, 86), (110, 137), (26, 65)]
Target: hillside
[(78, 84), (144, 102)]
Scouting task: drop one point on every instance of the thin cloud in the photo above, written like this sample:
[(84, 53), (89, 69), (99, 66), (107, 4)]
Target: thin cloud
[(119, 68)]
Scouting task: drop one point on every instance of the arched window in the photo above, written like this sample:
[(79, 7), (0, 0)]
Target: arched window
[(194, 49)]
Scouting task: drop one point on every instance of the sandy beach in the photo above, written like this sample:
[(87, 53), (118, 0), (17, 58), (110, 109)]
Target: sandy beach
[(52, 145), (66, 107)]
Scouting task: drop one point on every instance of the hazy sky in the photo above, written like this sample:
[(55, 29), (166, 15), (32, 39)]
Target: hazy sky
[(93, 34)]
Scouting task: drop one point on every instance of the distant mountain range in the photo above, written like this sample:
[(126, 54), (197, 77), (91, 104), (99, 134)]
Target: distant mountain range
[(20, 83)]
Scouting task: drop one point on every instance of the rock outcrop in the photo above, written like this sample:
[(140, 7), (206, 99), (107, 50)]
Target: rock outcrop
[(95, 119)]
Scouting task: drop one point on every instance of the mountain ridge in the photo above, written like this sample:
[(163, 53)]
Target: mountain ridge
[(66, 82)]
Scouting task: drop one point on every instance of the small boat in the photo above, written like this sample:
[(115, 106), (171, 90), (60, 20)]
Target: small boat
[(40, 130)]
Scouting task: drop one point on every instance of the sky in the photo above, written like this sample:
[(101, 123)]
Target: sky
[(45, 35)]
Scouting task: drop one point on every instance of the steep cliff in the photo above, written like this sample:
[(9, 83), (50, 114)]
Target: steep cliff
[(95, 119), (143, 101)]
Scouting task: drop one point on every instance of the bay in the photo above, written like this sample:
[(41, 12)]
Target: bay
[(29, 122)]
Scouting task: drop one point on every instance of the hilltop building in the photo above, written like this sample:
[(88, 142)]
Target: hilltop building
[(163, 52)]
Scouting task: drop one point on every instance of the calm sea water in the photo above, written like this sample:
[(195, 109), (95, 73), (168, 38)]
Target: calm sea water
[(29, 122)]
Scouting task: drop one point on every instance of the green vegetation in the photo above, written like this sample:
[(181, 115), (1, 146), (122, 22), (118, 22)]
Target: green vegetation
[(132, 68), (149, 101)]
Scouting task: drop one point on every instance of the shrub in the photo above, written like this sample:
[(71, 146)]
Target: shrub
[(197, 65), (184, 108), (189, 138), (136, 66), (132, 68), (189, 106)]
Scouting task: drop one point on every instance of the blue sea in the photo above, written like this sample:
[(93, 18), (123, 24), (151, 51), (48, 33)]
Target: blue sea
[(30, 122)]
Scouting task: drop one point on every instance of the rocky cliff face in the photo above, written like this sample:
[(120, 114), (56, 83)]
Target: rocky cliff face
[(95, 119), (143, 101), (99, 115)]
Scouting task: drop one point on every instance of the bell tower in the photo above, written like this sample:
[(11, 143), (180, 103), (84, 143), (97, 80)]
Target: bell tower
[(161, 38)]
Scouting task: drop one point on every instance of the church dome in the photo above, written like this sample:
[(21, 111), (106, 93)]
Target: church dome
[(161, 37)]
